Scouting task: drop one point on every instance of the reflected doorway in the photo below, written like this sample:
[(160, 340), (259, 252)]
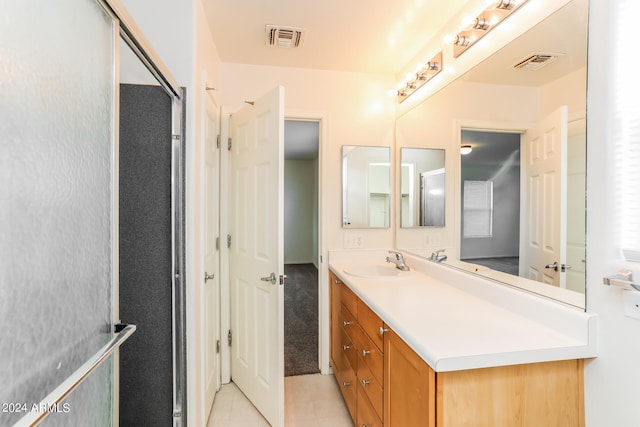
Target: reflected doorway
[(490, 234)]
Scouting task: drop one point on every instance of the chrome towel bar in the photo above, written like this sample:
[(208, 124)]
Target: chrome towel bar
[(67, 386)]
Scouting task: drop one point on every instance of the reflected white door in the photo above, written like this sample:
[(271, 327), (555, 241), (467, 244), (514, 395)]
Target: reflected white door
[(211, 276), (257, 252), (544, 203), (576, 190)]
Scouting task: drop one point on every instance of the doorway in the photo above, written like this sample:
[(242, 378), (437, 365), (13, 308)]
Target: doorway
[(301, 242)]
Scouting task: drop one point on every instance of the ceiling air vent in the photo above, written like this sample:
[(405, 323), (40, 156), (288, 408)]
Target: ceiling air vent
[(536, 61), (285, 37)]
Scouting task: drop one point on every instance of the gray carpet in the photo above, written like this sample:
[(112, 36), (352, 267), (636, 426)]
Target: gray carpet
[(301, 320)]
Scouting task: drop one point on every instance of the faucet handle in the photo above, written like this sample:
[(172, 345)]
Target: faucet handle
[(398, 255)]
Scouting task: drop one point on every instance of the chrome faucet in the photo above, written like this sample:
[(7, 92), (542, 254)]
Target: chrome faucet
[(398, 260), (437, 257)]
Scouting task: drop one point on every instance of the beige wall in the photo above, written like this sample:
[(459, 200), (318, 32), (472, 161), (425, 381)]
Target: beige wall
[(300, 195), (359, 112)]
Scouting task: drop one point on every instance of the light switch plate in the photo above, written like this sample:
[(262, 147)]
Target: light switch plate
[(353, 241), (632, 304)]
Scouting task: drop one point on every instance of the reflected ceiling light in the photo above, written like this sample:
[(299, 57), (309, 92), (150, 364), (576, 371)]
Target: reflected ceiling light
[(424, 73), (506, 4), (462, 41), (483, 23), (465, 149)]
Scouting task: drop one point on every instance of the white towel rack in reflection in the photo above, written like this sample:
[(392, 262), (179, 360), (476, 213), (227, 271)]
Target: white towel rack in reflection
[(67, 386)]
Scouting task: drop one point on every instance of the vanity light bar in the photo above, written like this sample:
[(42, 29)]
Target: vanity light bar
[(425, 73), (485, 22)]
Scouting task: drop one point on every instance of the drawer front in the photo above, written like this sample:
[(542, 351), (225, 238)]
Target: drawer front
[(369, 354), (366, 414), (348, 348), (348, 322), (348, 383), (368, 385), (349, 300), (370, 323)]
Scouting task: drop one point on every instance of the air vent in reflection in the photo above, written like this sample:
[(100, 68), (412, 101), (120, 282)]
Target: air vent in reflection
[(284, 37), (536, 61)]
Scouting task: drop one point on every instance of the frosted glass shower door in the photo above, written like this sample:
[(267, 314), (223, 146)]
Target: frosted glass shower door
[(57, 222)]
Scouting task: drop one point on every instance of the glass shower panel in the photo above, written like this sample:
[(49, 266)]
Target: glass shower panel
[(57, 97)]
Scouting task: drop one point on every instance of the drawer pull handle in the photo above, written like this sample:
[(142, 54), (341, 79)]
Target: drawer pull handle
[(346, 383), (337, 282), (365, 382), (365, 352), (345, 323), (365, 425), (382, 330), (346, 347)]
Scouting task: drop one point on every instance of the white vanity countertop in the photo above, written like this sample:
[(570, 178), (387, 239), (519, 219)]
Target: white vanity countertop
[(457, 321)]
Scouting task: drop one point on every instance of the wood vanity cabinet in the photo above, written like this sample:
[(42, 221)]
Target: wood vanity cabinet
[(356, 354), (384, 382)]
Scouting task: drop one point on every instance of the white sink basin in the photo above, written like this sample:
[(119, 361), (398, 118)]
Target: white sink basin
[(376, 271)]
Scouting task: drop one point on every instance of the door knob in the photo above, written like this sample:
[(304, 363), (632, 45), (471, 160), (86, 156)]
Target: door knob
[(270, 278), (555, 266), (208, 276)]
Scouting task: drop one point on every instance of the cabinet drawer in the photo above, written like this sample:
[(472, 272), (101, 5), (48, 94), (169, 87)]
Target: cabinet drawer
[(348, 349), (368, 354), (348, 383), (348, 322), (349, 300), (371, 387), (370, 323), (366, 414)]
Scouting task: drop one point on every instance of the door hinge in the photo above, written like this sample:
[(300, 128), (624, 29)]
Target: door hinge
[(218, 346), (229, 338), (228, 240), (218, 141), (229, 144), (176, 137), (218, 243)]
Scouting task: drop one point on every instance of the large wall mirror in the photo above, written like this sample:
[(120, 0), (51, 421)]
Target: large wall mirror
[(366, 187), (518, 214)]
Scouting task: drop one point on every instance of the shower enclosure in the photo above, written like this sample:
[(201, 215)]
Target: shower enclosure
[(59, 214)]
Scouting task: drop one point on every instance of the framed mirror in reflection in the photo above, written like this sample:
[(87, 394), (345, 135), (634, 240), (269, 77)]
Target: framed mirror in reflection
[(422, 187), (519, 215), (366, 187)]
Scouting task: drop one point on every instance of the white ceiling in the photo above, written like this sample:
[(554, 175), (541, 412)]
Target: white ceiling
[(372, 36)]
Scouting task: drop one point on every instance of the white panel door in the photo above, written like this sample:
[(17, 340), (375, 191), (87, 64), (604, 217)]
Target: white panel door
[(211, 276), (544, 206), (257, 252)]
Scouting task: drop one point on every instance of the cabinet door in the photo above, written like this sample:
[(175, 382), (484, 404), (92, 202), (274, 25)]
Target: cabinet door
[(549, 394), (409, 386)]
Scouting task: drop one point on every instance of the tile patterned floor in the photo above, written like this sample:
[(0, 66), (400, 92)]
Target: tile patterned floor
[(310, 401)]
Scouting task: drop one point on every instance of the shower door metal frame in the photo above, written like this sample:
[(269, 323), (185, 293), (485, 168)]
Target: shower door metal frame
[(132, 35)]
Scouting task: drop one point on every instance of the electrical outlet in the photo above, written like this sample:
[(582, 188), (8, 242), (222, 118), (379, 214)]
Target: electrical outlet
[(431, 240), (353, 241), (632, 304)]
